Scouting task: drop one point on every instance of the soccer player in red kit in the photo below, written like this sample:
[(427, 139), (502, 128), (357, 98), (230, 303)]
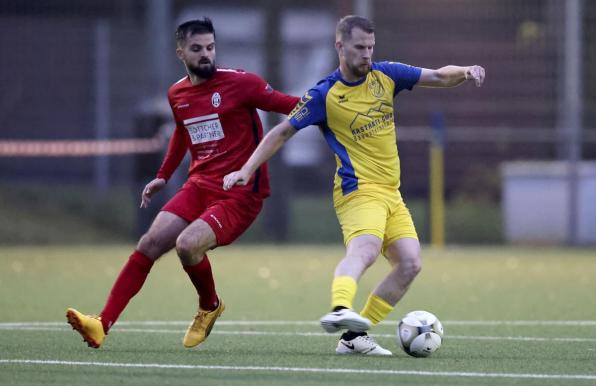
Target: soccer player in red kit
[(215, 111)]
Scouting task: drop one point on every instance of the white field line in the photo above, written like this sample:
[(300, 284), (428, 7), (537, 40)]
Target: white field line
[(590, 377), (530, 323), (304, 334)]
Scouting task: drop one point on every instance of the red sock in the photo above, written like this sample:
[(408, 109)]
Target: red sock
[(129, 282), (202, 278)]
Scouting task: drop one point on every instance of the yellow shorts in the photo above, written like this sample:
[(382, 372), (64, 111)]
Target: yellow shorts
[(377, 212)]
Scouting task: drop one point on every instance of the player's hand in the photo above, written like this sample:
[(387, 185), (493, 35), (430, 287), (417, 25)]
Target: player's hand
[(150, 189), (238, 177), (475, 73)]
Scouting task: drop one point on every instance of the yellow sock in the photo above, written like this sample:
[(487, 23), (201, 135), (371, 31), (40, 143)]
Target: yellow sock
[(376, 309), (343, 290)]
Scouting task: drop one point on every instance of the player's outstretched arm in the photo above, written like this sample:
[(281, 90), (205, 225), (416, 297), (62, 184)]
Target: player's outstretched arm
[(270, 144), (451, 76), (151, 188)]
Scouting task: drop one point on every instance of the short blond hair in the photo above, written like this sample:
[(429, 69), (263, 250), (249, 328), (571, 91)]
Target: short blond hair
[(346, 24)]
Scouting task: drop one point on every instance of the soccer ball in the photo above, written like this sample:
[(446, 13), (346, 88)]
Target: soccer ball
[(419, 333)]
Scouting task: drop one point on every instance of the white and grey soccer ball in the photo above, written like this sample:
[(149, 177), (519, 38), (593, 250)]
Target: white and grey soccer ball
[(420, 333)]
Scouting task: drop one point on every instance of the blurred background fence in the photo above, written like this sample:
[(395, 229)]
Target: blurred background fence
[(85, 121)]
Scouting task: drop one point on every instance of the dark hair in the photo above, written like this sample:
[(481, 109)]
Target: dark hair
[(192, 27), (346, 24)]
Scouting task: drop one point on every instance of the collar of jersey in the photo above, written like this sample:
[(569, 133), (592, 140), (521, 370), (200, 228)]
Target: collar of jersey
[(338, 76), (205, 82)]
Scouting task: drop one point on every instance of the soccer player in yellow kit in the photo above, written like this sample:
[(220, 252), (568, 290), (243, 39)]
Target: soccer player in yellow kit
[(354, 109)]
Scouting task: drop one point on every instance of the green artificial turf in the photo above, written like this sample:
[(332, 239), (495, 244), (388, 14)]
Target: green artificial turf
[(512, 316)]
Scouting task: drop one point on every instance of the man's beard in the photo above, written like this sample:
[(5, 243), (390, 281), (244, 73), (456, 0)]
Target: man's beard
[(202, 71), (359, 72)]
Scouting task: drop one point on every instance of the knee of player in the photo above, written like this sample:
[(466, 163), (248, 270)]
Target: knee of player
[(366, 256), (412, 264), (184, 247), (150, 246), (189, 250)]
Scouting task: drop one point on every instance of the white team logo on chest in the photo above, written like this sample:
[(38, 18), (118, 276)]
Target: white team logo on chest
[(215, 99)]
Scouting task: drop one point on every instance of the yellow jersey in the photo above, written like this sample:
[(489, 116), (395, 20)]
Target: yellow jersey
[(357, 121)]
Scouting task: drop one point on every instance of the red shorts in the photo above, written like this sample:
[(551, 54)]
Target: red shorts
[(228, 215)]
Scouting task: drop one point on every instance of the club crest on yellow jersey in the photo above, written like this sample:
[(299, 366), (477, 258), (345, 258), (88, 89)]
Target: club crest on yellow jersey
[(376, 88)]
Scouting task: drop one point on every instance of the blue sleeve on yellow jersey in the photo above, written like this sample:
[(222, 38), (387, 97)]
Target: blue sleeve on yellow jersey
[(404, 76), (309, 111)]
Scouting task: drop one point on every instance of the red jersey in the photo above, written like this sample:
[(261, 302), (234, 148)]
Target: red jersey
[(217, 121)]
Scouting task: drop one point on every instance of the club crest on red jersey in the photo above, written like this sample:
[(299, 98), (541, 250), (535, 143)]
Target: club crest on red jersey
[(215, 99)]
